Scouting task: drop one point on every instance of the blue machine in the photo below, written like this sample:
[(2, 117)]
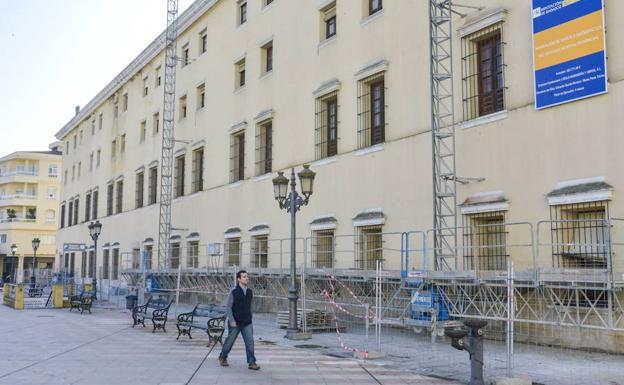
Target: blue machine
[(152, 285), (427, 304)]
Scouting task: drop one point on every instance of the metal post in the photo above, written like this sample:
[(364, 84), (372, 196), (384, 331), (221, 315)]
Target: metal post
[(94, 269), (33, 279), (292, 290), (378, 303), (367, 321), (510, 318), (303, 288), (178, 288)]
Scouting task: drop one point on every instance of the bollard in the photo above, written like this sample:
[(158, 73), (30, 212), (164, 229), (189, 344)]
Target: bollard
[(474, 346)]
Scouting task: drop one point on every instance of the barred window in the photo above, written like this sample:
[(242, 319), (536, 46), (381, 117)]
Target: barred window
[(95, 204), (148, 250), (105, 264), (371, 111), (115, 269), (368, 246), (153, 185), (140, 181), (580, 235), (179, 176), (109, 199), (323, 248), (259, 251), (237, 156), (264, 147), (483, 85), (326, 132), (233, 251), (119, 206), (192, 260), (198, 170), (485, 241), (175, 256)]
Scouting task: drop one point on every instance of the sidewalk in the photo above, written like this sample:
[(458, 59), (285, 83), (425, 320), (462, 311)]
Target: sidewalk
[(59, 347)]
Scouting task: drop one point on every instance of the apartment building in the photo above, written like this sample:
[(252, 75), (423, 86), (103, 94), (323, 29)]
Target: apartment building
[(263, 86), (29, 201)]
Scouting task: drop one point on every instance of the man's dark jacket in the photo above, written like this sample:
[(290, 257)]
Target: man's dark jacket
[(241, 307)]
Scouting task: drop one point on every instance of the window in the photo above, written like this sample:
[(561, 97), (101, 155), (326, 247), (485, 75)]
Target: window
[(371, 111), (155, 123), (50, 216), (179, 175), (140, 178), (115, 272), (198, 170), (153, 185), (3, 238), (109, 199), (580, 235), (119, 206), (73, 172), (240, 73), (70, 213), (242, 12), (323, 248), (75, 141), (76, 209), (201, 96), (125, 102), (113, 148), (264, 148), (185, 55), (93, 127), (147, 250), (92, 266), (115, 110), (328, 21), (143, 131), (267, 2), (83, 265), (182, 107), (485, 240), (145, 86), (374, 6), (369, 247), (483, 85), (157, 79), (63, 215), (91, 162), (51, 192), (192, 260), (97, 158), (52, 170), (79, 169), (175, 255), (66, 176), (87, 207), (122, 144), (267, 58), (100, 121), (67, 147), (95, 205), (237, 157), (80, 136), (326, 132), (259, 251), (232, 251), (203, 42), (106, 264)]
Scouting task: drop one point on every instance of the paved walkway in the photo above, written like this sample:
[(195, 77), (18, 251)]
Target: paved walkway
[(58, 347)]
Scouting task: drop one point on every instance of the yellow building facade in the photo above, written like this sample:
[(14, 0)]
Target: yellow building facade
[(29, 202)]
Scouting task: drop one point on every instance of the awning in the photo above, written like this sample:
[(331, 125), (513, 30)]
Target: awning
[(370, 217), (232, 232), (580, 191), (194, 236), (325, 222), (484, 202), (259, 229)]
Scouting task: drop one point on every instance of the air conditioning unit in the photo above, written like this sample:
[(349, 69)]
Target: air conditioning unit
[(214, 249)]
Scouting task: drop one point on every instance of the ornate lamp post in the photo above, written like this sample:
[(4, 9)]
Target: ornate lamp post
[(13, 251), (292, 202), (35, 245), (95, 228)]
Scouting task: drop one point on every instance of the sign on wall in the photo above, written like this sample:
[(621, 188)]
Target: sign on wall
[(569, 55)]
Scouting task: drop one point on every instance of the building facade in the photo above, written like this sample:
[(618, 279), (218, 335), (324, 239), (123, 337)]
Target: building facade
[(266, 86), (29, 201)]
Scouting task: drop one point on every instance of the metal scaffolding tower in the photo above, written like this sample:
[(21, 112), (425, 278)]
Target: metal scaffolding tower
[(443, 135), (166, 168)]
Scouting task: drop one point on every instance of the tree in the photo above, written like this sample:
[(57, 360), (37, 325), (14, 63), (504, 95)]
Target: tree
[(31, 213), (11, 214)]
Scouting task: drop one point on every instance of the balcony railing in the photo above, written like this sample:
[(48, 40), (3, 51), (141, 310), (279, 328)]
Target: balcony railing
[(25, 220), (18, 196), (19, 172)]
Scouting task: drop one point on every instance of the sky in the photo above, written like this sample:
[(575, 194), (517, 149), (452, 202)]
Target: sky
[(57, 54)]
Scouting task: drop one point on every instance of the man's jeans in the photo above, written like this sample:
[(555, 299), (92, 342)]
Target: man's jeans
[(247, 333)]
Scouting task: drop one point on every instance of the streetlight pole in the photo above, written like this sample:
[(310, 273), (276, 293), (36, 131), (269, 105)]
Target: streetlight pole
[(292, 202), (95, 228), (13, 251), (35, 245)]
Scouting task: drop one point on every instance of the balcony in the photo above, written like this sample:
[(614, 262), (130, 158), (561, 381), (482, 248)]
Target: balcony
[(20, 199), (19, 176)]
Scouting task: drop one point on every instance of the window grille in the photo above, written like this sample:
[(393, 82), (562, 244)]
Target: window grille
[(323, 249), (483, 80), (264, 148), (115, 272), (371, 110), (198, 170), (237, 157), (179, 176), (95, 204), (485, 241), (119, 206), (326, 132), (369, 247), (140, 178), (148, 257), (175, 256), (233, 251), (193, 255), (259, 251), (105, 264), (153, 184), (581, 235)]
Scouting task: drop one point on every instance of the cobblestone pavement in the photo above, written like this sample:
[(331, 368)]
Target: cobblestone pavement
[(58, 347)]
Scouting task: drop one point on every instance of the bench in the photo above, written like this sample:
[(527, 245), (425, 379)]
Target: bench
[(159, 312), (83, 301), (207, 317)]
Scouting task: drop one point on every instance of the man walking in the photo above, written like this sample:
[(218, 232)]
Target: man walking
[(239, 320)]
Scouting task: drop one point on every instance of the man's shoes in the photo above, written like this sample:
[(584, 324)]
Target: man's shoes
[(223, 361), (253, 366)]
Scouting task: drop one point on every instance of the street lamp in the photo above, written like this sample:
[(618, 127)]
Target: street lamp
[(95, 228), (13, 251), (292, 202), (35, 245)]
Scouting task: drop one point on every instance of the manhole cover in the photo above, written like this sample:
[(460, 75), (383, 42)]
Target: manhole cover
[(310, 346)]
